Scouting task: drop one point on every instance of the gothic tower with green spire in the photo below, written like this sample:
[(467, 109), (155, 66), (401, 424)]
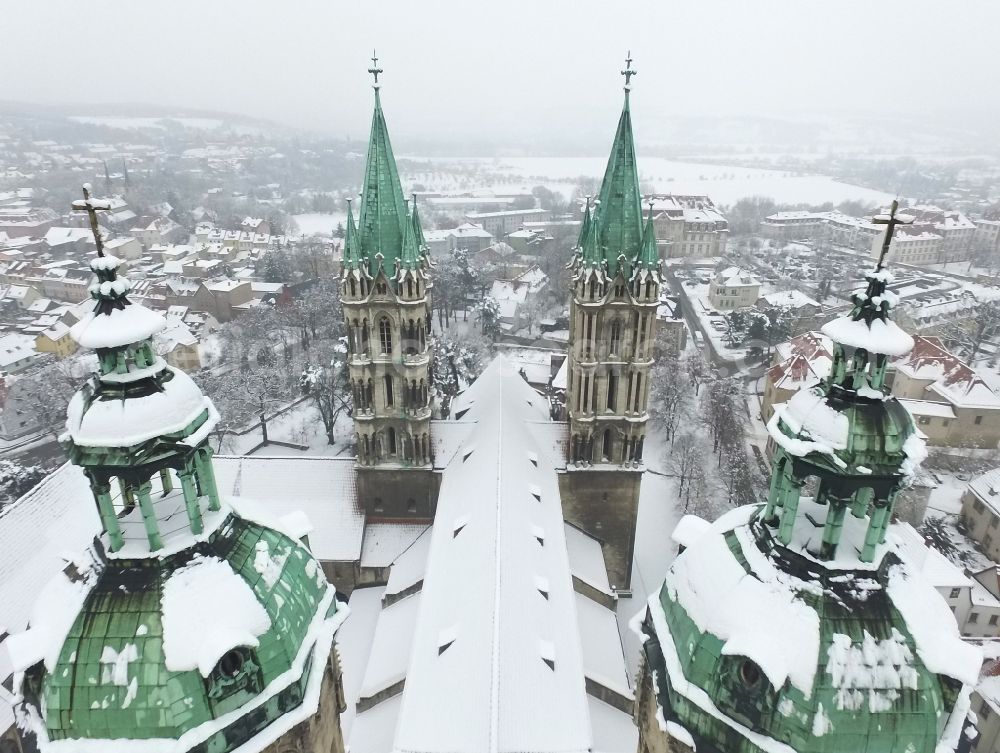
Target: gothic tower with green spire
[(805, 624), (195, 623), (386, 293), (614, 296)]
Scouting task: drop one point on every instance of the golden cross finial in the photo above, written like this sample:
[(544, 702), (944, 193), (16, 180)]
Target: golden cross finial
[(628, 72), (90, 206), (375, 70), (891, 220)]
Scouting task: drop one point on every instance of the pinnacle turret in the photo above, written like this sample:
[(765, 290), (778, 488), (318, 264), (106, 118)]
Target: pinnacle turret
[(352, 254), (649, 255)]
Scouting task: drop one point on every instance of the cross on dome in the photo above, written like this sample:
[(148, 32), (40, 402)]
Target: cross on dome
[(375, 70), (91, 206), (891, 220), (629, 71)]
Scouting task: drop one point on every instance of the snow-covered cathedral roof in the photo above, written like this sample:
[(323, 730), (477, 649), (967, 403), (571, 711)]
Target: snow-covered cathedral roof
[(497, 660)]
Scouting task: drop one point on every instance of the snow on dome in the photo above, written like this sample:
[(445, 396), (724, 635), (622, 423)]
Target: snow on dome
[(884, 336), (808, 412), (713, 588), (123, 423), (208, 610), (105, 263), (120, 327), (933, 627), (58, 605)]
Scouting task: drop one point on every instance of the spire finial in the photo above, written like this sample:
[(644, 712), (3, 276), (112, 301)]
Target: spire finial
[(375, 70), (891, 220), (628, 72), (90, 206)]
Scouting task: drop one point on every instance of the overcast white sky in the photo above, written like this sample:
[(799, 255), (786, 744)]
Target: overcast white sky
[(505, 67)]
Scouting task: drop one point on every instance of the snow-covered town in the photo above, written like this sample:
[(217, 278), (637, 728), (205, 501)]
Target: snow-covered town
[(400, 402)]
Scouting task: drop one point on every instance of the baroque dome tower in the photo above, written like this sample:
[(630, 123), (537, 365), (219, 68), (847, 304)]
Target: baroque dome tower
[(799, 625), (194, 623)]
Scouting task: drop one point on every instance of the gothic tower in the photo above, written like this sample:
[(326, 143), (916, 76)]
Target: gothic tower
[(386, 293), (194, 623), (803, 624), (614, 296)]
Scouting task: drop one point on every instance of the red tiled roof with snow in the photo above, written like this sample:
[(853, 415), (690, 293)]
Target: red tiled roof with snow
[(806, 359), (954, 381)]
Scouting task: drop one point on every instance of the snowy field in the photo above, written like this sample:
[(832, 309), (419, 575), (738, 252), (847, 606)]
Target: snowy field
[(319, 223), (725, 184)]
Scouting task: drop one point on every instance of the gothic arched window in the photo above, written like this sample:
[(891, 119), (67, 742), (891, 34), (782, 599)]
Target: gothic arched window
[(616, 336), (388, 390), (385, 335), (606, 445), (391, 436)]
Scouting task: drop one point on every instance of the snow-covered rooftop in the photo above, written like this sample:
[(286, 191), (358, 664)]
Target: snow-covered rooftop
[(496, 629)]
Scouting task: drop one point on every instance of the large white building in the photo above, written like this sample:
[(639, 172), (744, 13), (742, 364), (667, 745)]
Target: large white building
[(688, 226)]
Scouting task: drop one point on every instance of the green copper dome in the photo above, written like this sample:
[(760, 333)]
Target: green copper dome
[(753, 646), (194, 623), (801, 626), (125, 671)]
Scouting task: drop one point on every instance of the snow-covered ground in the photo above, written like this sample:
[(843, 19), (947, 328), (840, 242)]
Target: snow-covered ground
[(725, 184), (300, 425), (319, 223)]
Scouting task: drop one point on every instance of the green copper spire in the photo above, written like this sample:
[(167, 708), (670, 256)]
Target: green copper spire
[(382, 217), (619, 212), (649, 256), (352, 255)]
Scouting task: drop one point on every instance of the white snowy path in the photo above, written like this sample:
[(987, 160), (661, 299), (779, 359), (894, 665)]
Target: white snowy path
[(654, 551)]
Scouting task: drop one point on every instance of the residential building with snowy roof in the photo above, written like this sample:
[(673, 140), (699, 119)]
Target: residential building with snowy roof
[(981, 512), (733, 288), (986, 705), (912, 244), (987, 237), (688, 226), (499, 223), (954, 406)]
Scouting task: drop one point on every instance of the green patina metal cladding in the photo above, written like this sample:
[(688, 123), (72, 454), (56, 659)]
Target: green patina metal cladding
[(383, 218), (618, 217), (851, 606), (125, 608)]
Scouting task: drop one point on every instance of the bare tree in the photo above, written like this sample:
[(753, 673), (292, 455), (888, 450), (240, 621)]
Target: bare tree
[(671, 400), (971, 333)]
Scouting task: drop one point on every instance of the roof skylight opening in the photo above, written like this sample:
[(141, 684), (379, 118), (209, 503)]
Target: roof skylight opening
[(460, 522), (467, 453), (548, 653), (533, 458), (542, 584), (539, 533), (446, 637), (536, 491)]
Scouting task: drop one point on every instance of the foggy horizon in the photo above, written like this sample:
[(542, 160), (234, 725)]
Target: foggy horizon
[(514, 75)]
